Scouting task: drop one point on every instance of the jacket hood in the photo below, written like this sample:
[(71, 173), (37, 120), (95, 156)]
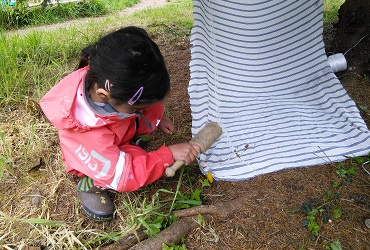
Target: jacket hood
[(68, 106)]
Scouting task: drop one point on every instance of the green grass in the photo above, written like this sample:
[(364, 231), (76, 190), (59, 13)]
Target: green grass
[(331, 8), (38, 59), (21, 15), (30, 64)]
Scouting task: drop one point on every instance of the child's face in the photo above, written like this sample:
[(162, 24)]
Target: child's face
[(101, 95), (129, 109)]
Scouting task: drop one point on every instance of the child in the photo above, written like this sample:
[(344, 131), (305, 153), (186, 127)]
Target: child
[(106, 110)]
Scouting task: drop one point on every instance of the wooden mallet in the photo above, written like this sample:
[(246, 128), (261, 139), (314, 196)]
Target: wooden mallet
[(204, 139)]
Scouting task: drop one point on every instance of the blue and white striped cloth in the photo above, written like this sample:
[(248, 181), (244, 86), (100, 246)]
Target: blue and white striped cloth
[(259, 69)]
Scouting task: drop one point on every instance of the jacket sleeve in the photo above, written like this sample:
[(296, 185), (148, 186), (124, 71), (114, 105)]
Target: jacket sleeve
[(123, 168)]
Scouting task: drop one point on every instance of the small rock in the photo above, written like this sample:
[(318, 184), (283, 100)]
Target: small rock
[(367, 223), (36, 199)]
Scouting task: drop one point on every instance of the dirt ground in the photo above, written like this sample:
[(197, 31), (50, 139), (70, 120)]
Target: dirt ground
[(271, 217)]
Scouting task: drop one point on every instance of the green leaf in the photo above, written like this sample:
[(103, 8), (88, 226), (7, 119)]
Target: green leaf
[(313, 212), (305, 223), (335, 184), (325, 218), (306, 207), (205, 183), (363, 107), (159, 219), (327, 208), (200, 220), (359, 160), (337, 213), (341, 172), (190, 202), (179, 206), (336, 245), (150, 231), (35, 221), (43, 222), (3, 166), (336, 196), (313, 227), (310, 217), (196, 195), (156, 227), (351, 171)]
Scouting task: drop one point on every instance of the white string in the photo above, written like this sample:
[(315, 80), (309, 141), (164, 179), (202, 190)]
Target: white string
[(363, 166), (356, 44)]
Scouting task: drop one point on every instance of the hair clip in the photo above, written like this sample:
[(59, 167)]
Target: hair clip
[(107, 85), (135, 97)]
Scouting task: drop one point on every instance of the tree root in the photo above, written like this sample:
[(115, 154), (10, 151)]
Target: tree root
[(188, 222), (220, 210), (127, 242), (170, 235), (181, 228)]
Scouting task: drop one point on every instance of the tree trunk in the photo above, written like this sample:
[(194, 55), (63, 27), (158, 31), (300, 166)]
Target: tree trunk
[(353, 29)]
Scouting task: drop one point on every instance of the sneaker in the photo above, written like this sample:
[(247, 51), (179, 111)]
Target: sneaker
[(95, 201)]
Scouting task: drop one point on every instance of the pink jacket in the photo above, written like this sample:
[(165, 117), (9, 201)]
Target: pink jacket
[(96, 143)]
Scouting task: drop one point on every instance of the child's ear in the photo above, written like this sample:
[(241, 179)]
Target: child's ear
[(102, 93)]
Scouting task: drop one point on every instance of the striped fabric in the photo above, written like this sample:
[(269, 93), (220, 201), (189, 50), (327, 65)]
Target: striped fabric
[(259, 69)]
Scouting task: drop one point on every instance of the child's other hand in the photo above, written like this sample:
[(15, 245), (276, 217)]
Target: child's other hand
[(166, 125), (186, 152)]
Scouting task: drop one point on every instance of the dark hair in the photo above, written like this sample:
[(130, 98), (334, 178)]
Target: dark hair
[(129, 59)]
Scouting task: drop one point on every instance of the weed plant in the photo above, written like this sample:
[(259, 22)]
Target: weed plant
[(319, 211)]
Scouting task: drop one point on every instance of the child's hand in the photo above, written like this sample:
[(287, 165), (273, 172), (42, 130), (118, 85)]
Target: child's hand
[(186, 152), (166, 125)]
